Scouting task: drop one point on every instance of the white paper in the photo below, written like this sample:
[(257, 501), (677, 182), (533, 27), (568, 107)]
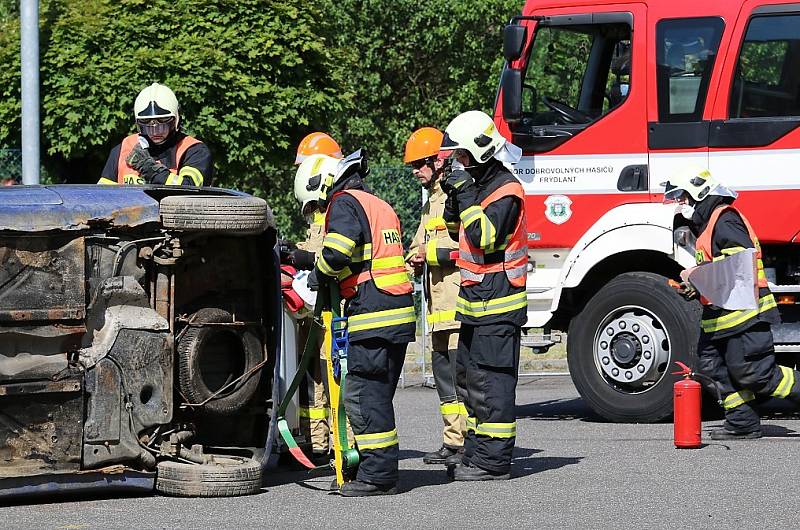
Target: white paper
[(300, 286), (727, 283)]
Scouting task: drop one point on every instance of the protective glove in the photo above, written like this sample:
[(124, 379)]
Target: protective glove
[(285, 249), (313, 281), (457, 181), (149, 168), (302, 259), (685, 289)]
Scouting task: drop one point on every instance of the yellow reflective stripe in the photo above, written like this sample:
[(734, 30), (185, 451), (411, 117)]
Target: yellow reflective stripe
[(497, 430), (389, 262), (324, 268), (430, 254), (173, 180), (314, 413), (737, 399), (377, 440), (728, 252), (343, 244), (449, 408), (381, 319), (362, 253), (470, 215), (192, 173), (390, 280), (488, 232), (786, 384), (435, 223), (462, 410), (106, 181), (471, 423), (491, 307), (734, 318), (345, 273), (441, 316)]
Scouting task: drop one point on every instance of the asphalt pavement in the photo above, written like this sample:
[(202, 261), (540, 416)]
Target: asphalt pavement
[(570, 470)]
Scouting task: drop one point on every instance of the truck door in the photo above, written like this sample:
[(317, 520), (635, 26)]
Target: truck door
[(582, 122), (685, 52), (755, 132)]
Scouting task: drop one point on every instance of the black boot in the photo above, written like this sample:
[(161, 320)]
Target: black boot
[(357, 488), (473, 473), (455, 459), (726, 434), (441, 455)]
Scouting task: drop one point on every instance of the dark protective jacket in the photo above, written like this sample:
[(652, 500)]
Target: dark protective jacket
[(385, 311), (494, 299), (194, 169)]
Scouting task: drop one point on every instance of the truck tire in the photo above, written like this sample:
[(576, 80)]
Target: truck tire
[(227, 476), (622, 347), (210, 357), (238, 215)]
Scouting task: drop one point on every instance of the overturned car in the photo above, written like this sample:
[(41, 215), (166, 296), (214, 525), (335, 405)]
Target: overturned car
[(139, 329)]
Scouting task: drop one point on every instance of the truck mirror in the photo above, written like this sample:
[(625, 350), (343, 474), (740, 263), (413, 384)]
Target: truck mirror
[(512, 95), (514, 37)]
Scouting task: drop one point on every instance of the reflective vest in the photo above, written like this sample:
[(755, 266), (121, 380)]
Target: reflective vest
[(474, 262), (727, 321), (382, 259), (128, 175)]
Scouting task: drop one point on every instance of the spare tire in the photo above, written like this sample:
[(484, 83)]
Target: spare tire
[(238, 214), (211, 357), (226, 476)]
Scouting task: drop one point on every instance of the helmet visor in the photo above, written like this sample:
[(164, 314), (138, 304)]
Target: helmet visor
[(157, 129)]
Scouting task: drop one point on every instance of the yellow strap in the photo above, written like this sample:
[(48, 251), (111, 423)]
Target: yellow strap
[(107, 182), (377, 440), (435, 223), (192, 173), (497, 430), (381, 319), (495, 306), (343, 244), (737, 399), (430, 254), (441, 316), (786, 384), (734, 318), (450, 408), (314, 413)]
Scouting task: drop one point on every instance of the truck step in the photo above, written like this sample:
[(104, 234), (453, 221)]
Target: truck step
[(541, 342), (784, 288)]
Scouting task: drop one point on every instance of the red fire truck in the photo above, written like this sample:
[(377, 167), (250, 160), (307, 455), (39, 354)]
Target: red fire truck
[(607, 99)]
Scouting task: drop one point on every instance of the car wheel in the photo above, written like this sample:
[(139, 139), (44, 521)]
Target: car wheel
[(239, 215), (211, 357), (224, 476), (623, 344)]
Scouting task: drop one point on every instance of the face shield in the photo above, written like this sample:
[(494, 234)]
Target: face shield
[(156, 129)]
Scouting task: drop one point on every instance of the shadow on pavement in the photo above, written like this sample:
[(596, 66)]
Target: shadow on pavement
[(411, 479), (558, 409), (522, 467), (410, 454)]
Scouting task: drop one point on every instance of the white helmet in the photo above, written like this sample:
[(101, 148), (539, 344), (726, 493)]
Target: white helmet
[(156, 111), (475, 132), (697, 182), (312, 173)]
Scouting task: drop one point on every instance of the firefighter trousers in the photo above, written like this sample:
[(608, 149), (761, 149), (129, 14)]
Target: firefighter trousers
[(450, 378), (745, 369), (490, 354), (373, 370)]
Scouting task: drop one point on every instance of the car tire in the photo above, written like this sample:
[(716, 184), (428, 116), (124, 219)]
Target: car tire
[(622, 374), (209, 357), (238, 215), (228, 476)]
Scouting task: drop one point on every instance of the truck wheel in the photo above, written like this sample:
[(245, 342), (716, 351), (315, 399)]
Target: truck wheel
[(211, 357), (622, 346), (226, 476), (239, 215)]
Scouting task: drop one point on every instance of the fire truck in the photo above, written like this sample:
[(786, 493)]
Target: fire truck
[(607, 99)]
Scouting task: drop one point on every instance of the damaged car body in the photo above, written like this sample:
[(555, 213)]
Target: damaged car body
[(137, 339)]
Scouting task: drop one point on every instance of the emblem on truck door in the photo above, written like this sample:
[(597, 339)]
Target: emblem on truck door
[(557, 209)]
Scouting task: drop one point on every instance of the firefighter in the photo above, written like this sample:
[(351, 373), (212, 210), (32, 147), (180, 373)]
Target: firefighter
[(314, 402), (159, 153), (735, 347), (484, 210), (362, 250), (432, 256)]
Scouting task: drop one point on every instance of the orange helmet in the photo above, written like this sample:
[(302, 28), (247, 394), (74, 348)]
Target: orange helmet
[(423, 143), (317, 143)]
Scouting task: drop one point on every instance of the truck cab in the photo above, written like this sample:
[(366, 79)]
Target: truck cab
[(607, 100)]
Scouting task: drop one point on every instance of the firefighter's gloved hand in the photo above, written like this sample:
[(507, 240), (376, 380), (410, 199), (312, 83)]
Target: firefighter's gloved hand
[(302, 259), (149, 168), (687, 291), (314, 282), (458, 181), (285, 249)]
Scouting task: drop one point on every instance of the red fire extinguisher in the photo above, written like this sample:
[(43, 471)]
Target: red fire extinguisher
[(687, 398)]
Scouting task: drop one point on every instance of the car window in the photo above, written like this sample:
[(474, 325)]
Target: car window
[(767, 78), (685, 52)]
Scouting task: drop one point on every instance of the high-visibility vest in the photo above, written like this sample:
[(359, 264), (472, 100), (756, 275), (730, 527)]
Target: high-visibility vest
[(472, 260), (128, 175), (382, 258), (704, 253)]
